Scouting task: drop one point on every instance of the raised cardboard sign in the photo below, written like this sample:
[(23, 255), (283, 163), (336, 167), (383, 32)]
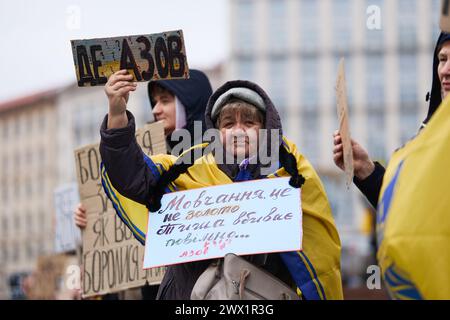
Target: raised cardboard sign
[(344, 129), (147, 57), (444, 23), (112, 257), (242, 218), (67, 235)]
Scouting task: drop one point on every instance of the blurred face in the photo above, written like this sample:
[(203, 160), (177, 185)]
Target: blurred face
[(444, 68), (239, 130), (164, 109)]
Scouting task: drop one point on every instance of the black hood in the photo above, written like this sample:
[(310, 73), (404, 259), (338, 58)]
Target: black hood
[(193, 94), (435, 96)]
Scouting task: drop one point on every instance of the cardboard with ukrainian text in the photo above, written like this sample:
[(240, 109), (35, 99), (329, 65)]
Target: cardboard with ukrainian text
[(158, 56), (241, 218), (112, 257)]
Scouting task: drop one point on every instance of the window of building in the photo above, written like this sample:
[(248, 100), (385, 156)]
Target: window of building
[(277, 25), (77, 128), (435, 16), (246, 69), (4, 192), (375, 97), (17, 128), (5, 226), (42, 221), (278, 84), (376, 130), (340, 203), (408, 80), (375, 37), (15, 252), (5, 250), (245, 24), (375, 81), (310, 128), (408, 116), (309, 78), (342, 24), (42, 121), (5, 131), (409, 125), (407, 24), (309, 25)]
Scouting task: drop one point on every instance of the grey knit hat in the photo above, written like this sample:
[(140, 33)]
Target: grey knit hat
[(244, 94)]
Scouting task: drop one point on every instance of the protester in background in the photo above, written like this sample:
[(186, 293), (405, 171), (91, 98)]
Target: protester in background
[(242, 108), (179, 104), (369, 174)]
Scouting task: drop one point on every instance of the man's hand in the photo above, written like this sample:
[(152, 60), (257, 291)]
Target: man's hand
[(362, 164), (80, 216), (118, 90)]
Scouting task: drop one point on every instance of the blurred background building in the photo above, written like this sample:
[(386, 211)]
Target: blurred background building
[(289, 47), (292, 49), (38, 136)]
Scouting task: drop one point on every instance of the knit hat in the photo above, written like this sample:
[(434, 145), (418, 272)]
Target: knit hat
[(240, 93)]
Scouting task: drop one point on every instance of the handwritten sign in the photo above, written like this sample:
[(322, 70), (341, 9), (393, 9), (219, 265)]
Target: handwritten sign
[(147, 57), (445, 16), (242, 218), (344, 129), (112, 257), (67, 236)]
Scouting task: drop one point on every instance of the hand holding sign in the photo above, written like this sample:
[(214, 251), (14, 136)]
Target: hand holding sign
[(344, 130), (118, 90), (348, 155)]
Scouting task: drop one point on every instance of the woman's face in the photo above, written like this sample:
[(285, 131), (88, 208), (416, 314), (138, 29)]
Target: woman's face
[(239, 134), (164, 110), (444, 68)]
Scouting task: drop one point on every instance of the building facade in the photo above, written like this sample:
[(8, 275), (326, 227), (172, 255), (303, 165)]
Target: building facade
[(292, 49), (27, 177)]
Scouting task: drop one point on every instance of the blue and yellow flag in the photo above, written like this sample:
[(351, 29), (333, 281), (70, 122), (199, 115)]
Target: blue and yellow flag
[(316, 269), (413, 218)]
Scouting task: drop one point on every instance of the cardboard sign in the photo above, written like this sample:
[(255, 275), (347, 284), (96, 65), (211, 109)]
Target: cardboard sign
[(67, 235), (242, 218), (112, 257), (344, 130), (147, 57), (444, 22), (45, 280)]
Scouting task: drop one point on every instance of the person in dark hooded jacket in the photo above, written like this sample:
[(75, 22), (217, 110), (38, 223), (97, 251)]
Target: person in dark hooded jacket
[(179, 104), (135, 183), (369, 174)]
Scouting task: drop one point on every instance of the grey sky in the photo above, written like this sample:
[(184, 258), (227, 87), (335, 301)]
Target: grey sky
[(36, 55)]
